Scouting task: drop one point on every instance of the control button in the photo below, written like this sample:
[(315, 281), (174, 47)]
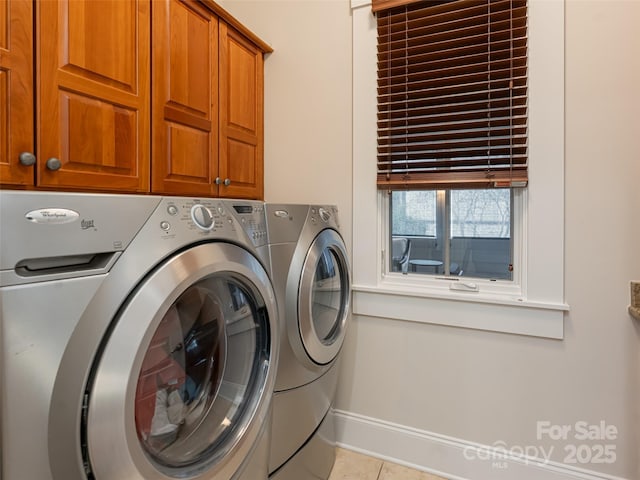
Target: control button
[(281, 213), (172, 210), (164, 225), (202, 217), (325, 215), (221, 210)]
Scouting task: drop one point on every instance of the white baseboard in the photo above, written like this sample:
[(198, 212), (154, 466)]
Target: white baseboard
[(448, 457)]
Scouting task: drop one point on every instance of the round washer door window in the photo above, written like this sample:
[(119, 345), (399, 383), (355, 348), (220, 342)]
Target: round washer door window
[(198, 372), (182, 388), (325, 291)]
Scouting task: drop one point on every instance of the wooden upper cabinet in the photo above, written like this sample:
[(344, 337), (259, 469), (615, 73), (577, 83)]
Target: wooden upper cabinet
[(185, 98), (16, 77), (241, 94), (93, 104), (89, 118), (208, 97)]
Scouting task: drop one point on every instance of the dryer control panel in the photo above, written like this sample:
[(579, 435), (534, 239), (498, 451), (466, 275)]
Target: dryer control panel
[(327, 215)]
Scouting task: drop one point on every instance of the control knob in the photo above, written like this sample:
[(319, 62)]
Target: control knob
[(325, 215), (202, 217)]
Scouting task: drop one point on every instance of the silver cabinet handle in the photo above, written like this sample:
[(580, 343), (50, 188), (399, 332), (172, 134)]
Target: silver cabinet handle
[(27, 159), (54, 164), (218, 180), (227, 182)]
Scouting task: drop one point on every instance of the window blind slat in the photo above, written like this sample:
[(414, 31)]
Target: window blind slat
[(471, 109), (448, 61), (429, 36), (404, 118), (451, 143), (452, 93), (462, 134), (463, 100), (458, 75), (414, 165), (446, 155), (452, 47), (492, 87), (454, 179)]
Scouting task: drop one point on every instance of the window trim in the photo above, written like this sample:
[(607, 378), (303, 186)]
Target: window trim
[(539, 310)]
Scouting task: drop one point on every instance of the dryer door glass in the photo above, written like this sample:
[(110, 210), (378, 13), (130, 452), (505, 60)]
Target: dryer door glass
[(327, 297), (201, 366), (323, 303)]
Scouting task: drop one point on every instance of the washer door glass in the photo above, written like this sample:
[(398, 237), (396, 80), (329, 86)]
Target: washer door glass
[(198, 372), (324, 297), (182, 385)]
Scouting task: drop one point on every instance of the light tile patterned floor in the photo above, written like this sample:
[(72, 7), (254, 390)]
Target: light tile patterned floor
[(355, 466)]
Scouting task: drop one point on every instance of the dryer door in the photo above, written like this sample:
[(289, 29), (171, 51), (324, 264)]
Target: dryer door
[(183, 385), (324, 297)]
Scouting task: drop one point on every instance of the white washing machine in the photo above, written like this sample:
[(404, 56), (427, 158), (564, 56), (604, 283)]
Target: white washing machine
[(139, 338), (311, 277)]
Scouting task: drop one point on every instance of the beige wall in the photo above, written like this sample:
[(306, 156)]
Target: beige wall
[(473, 385), (307, 99)]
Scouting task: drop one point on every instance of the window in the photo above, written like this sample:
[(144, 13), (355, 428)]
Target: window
[(452, 131), (533, 302), (454, 232)]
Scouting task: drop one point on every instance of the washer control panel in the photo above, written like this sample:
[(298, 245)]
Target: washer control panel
[(217, 217)]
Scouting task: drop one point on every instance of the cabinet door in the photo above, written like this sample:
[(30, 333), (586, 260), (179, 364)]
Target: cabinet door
[(185, 106), (16, 76), (93, 104), (241, 99)]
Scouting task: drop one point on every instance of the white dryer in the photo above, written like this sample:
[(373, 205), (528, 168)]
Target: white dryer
[(139, 338), (311, 277)]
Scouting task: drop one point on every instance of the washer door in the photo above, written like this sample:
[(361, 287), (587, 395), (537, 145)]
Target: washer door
[(324, 297), (184, 381)]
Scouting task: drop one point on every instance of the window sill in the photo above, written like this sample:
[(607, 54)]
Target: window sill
[(475, 310)]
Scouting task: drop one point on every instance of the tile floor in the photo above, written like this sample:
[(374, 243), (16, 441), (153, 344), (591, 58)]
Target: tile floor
[(355, 466)]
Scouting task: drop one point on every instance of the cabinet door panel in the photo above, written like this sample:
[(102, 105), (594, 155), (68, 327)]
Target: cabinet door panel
[(184, 125), (93, 107), (16, 77), (242, 72), (189, 152), (244, 155), (241, 115), (107, 125), (98, 35)]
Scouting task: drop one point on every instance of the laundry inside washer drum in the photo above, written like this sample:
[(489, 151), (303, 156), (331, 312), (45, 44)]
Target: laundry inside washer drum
[(188, 397)]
